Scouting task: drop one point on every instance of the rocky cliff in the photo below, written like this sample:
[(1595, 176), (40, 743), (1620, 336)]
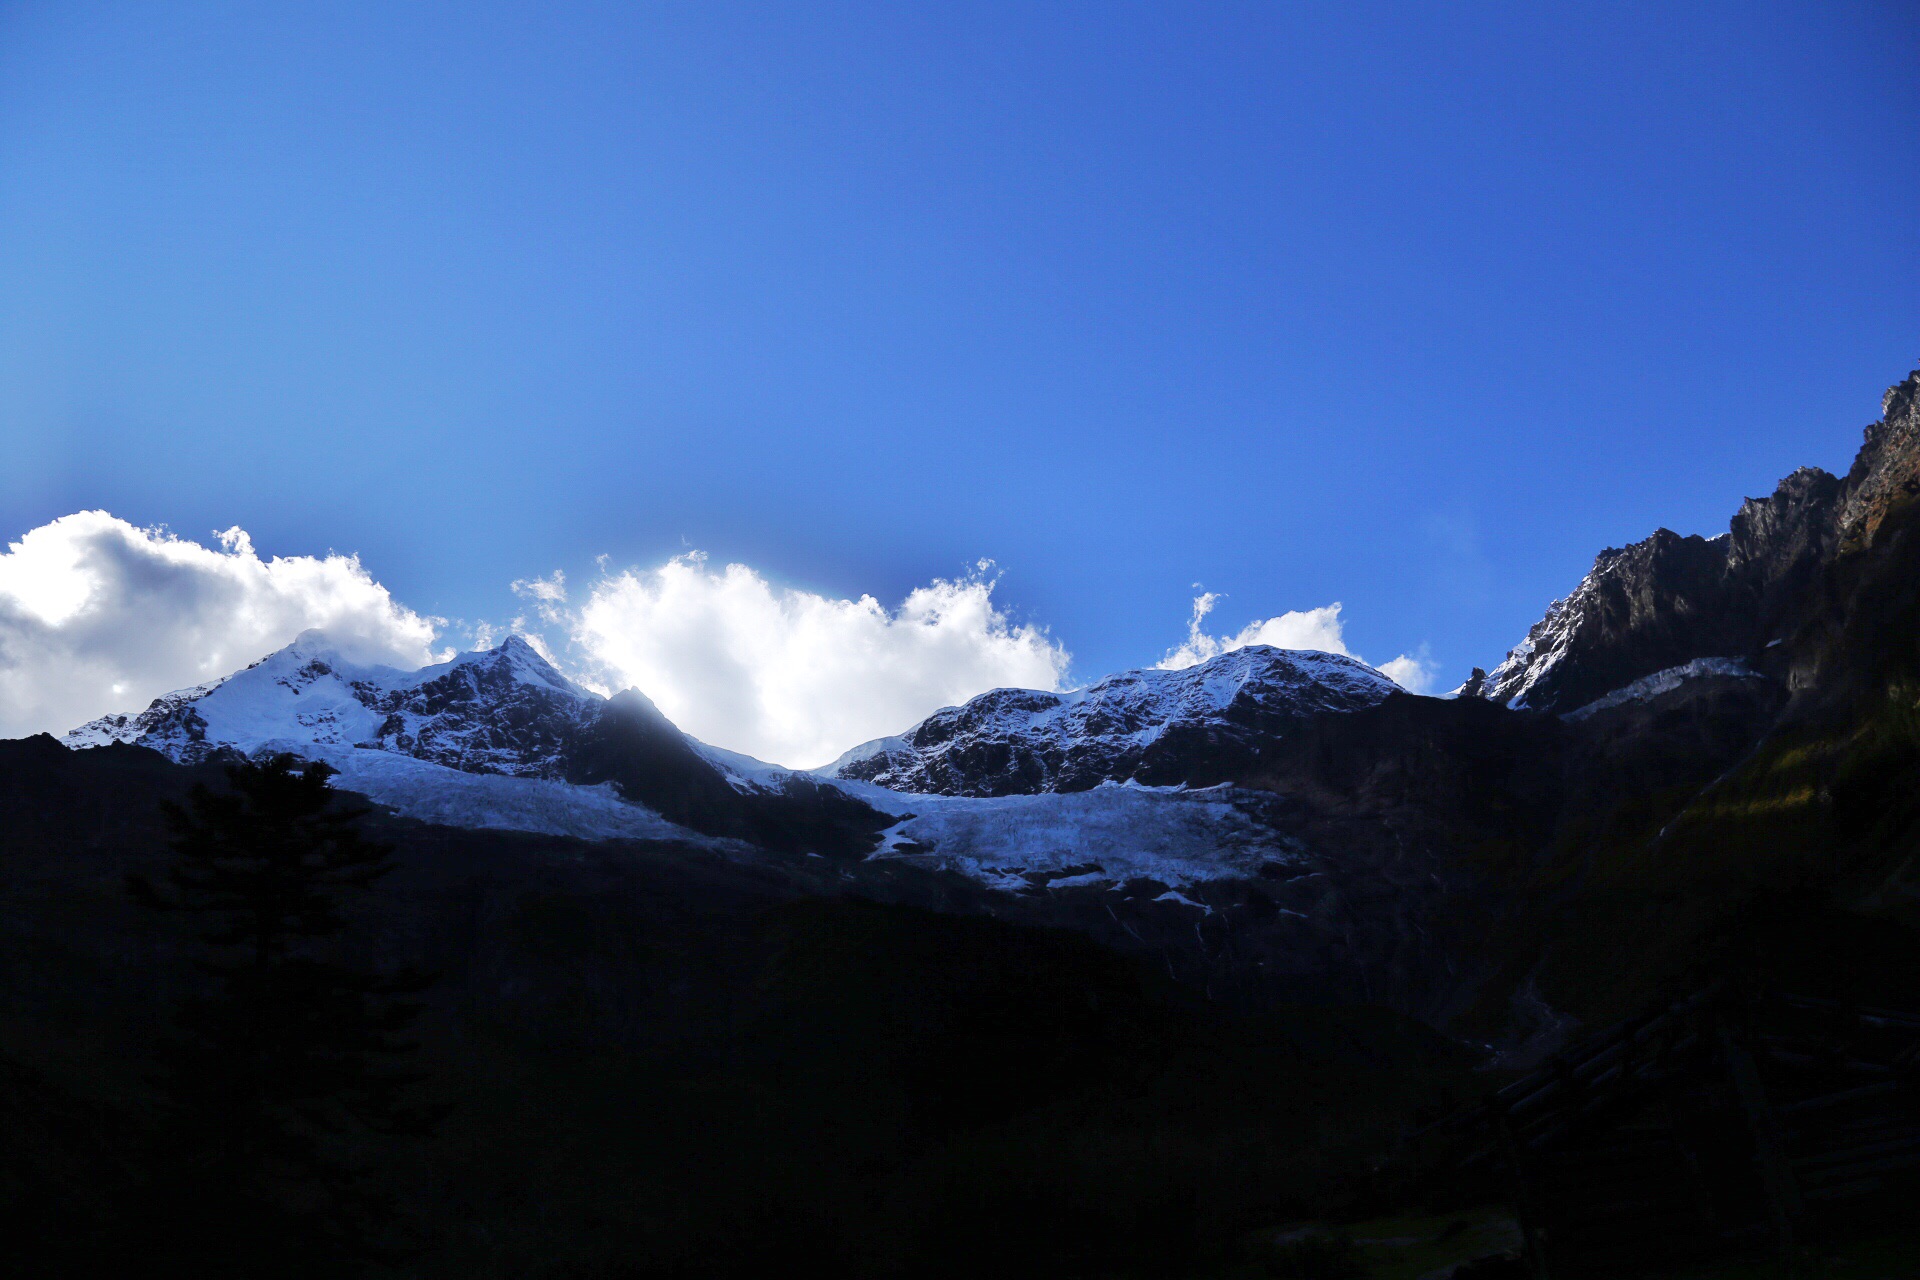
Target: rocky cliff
[(1669, 600)]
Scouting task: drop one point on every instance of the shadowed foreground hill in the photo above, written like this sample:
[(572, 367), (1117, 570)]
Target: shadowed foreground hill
[(661, 1061)]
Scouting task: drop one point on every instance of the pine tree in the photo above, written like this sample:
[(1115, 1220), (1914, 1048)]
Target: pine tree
[(287, 1070)]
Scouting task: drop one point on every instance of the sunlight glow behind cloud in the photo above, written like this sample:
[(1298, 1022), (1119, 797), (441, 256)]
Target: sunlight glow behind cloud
[(789, 675)]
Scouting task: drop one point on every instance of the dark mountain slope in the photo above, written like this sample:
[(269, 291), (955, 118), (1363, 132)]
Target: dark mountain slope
[(627, 742), (1802, 858), (719, 1056), (1677, 801), (1367, 845)]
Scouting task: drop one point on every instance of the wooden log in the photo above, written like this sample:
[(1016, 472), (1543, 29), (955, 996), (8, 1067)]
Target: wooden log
[(1862, 1152), (1888, 1164), (1847, 1191), (1860, 1093), (1874, 1017), (1783, 1195)]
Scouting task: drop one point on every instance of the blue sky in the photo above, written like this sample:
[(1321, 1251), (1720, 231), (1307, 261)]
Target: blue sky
[(1411, 307)]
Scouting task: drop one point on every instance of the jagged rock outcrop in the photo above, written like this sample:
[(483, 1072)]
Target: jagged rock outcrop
[(1654, 604), (1669, 600), (1886, 474)]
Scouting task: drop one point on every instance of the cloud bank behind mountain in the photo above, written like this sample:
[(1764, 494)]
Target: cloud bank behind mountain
[(98, 615), (790, 675), (1301, 629)]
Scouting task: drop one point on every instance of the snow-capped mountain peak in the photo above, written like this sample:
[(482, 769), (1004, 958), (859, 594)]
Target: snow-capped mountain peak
[(514, 658), (500, 710), (496, 737), (1151, 726)]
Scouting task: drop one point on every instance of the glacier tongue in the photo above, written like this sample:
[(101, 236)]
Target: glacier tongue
[(435, 793), (1107, 835), (1664, 682)]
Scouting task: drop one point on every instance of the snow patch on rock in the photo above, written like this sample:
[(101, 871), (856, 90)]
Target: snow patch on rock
[(477, 741), (1546, 646), (502, 710), (451, 797), (1664, 682)]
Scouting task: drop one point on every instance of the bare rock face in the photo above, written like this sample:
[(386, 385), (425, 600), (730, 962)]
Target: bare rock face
[(1886, 473), (1670, 600), (170, 718), (1654, 604), (1774, 537)]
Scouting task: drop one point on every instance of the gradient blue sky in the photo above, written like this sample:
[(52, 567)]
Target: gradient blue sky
[(1415, 307)]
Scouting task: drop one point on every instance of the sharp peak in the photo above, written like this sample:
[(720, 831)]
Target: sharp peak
[(631, 701), (312, 638), (317, 642), (516, 655), (632, 694), (513, 646), (516, 648)]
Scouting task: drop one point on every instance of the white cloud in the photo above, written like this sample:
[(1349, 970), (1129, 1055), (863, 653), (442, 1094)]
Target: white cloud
[(1319, 629), (789, 675), (1414, 672), (97, 615), (547, 591)]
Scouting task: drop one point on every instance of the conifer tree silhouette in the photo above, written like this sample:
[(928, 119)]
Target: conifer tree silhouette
[(287, 1066)]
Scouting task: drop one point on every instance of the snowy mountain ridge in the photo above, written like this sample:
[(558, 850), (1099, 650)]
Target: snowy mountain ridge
[(494, 738), (1148, 726), (500, 738), (504, 710)]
